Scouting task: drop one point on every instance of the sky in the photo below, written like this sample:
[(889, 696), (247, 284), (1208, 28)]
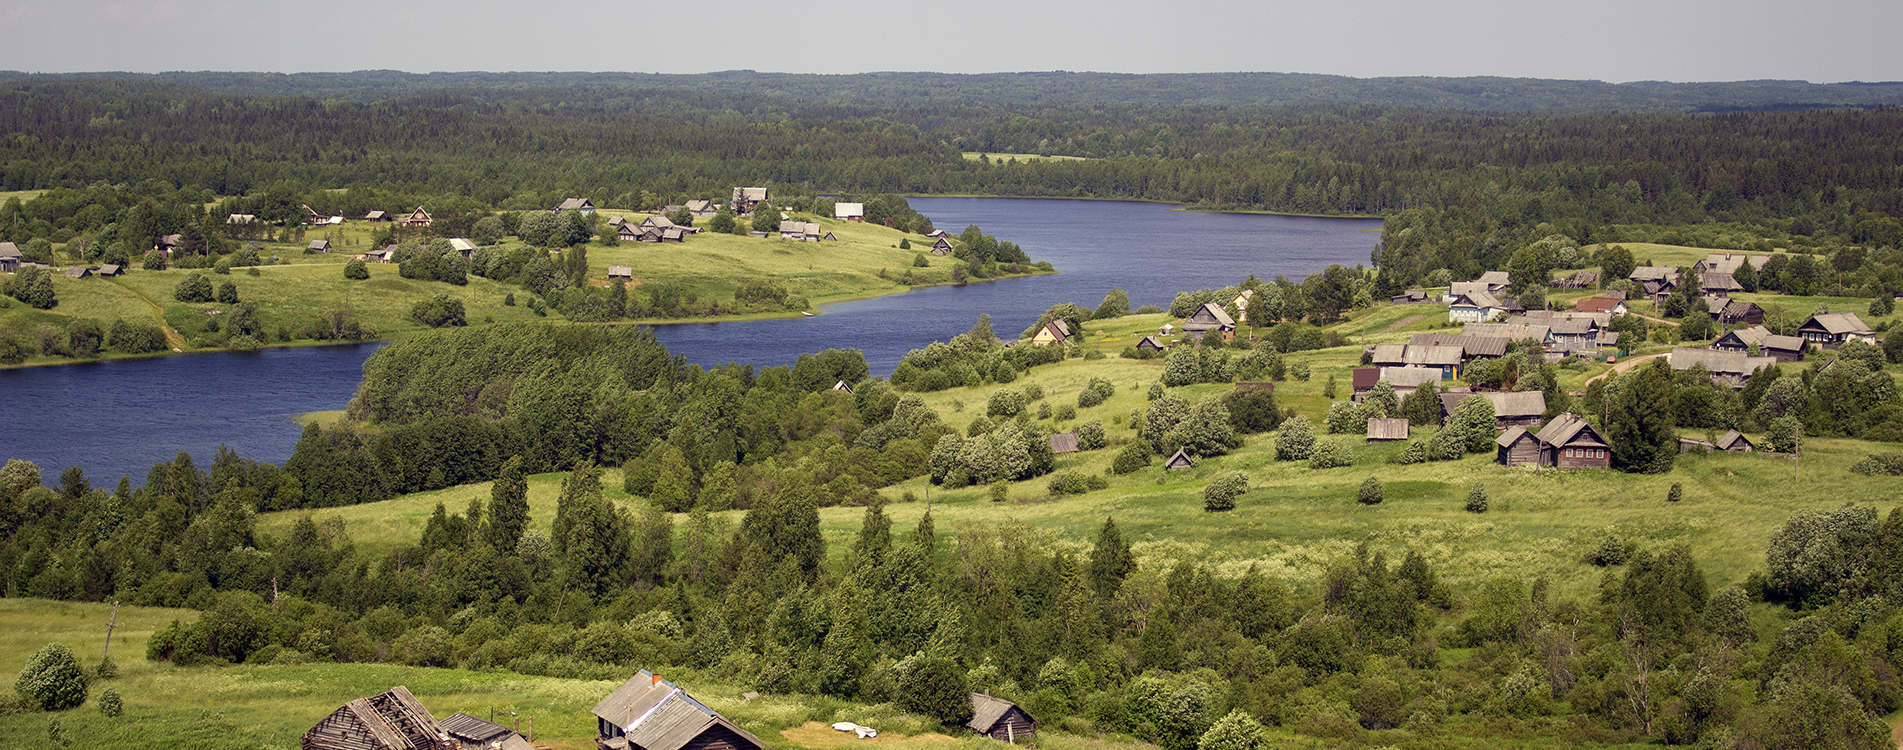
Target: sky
[(1821, 41)]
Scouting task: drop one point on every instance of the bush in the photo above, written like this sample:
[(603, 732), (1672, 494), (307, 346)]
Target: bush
[(441, 310), (193, 288), (228, 293), (1066, 412), (1477, 499), (52, 679), (1005, 402), (1090, 435), (1330, 454), (1295, 441), (110, 705), (356, 269), (1068, 483), (1098, 391), (1371, 492), (999, 490), (153, 261), (1675, 494), (1611, 551), (1879, 465), (1221, 493), (1134, 456), (1298, 370), (934, 687)]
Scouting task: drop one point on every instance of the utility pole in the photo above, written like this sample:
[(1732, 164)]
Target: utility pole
[(110, 626)]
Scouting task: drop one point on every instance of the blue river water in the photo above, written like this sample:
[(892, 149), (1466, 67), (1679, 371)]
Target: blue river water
[(114, 418)]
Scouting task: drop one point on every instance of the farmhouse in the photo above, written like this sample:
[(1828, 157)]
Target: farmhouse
[(1716, 283), (842, 386), (1831, 330), (1471, 347), (418, 218), (9, 257), (745, 198), (388, 721), (1001, 719), (1733, 312), (1522, 409), (849, 211), (702, 209), (167, 244), (1241, 303), (942, 247), (1413, 297), (1445, 358), (1728, 263), (1781, 348), (466, 248), (650, 713), (1150, 343), (1511, 331), (1209, 317), (800, 231), (1731, 368), (576, 204), (1474, 307), (472, 733), (1568, 442), (1055, 332)]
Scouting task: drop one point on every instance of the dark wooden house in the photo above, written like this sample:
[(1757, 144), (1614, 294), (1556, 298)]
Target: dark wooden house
[(388, 721), (78, 272), (377, 216), (1179, 460), (1151, 343), (418, 218), (1569, 442), (582, 205), (1736, 442), (1517, 447), (477, 734), (1210, 317), (319, 246), (1781, 348), (10, 257), (942, 247), (1522, 409), (745, 198), (1000, 720), (624, 273), (1830, 330), (650, 713), (111, 269)]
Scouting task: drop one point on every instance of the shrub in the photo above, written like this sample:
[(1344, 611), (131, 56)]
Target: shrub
[(1371, 492), (1330, 454), (1477, 499), (1879, 465), (1415, 453), (934, 687), (1033, 392), (1043, 410), (1611, 551), (441, 310), (153, 261), (1155, 391), (999, 491), (1298, 370), (1005, 402), (1221, 493), (110, 704), (1066, 412), (193, 288), (1675, 494), (1090, 435), (356, 269), (1134, 456), (52, 679), (1295, 441), (228, 293), (1068, 483)]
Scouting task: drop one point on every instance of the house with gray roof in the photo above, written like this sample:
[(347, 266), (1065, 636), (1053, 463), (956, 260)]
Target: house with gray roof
[(650, 713), (1781, 348), (1381, 429), (1517, 409), (1000, 720), (745, 198), (10, 257), (1727, 367), (582, 205), (474, 733), (849, 211), (1511, 331), (1831, 330), (1474, 307), (1209, 317)]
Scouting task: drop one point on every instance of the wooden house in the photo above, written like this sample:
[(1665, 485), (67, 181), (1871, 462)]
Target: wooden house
[(1569, 442), (582, 205), (1601, 304), (1446, 359), (1001, 720), (1496, 281), (1517, 447), (167, 244), (377, 216), (319, 246), (1728, 263), (1521, 409), (381, 255), (10, 257), (617, 220), (1064, 442), (1179, 460), (1781, 348), (1151, 344), (1474, 307), (1384, 429), (745, 198), (110, 270), (1362, 380), (1718, 284), (463, 247), (1209, 317), (1407, 380), (1831, 330), (78, 272), (702, 209), (241, 219), (842, 386), (1579, 280), (937, 233), (1055, 332), (800, 231), (650, 713), (757, 235), (849, 211), (829, 237), (942, 247), (1736, 442), (418, 218), (388, 721), (624, 273), (474, 734), (1471, 347), (1521, 331), (630, 232), (1736, 312), (1412, 297), (1241, 303), (1727, 367)]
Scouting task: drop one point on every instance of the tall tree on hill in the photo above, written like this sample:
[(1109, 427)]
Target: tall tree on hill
[(1110, 560), (1615, 263), (1640, 423)]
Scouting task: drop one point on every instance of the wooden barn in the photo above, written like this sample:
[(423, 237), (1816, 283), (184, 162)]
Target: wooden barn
[(418, 218), (650, 713), (745, 198), (473, 733), (942, 247), (10, 257), (1209, 317), (1151, 343), (1000, 720), (388, 721), (1179, 460), (1380, 429), (1517, 447), (319, 246), (1064, 442)]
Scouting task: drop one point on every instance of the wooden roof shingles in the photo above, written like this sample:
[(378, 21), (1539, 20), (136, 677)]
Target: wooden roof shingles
[(1064, 442), (1387, 429), (659, 715)]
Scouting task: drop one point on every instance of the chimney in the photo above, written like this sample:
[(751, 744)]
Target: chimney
[(657, 681)]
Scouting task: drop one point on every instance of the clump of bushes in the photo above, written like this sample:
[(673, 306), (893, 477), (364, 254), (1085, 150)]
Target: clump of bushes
[(1612, 550), (1879, 465), (1476, 497), (1221, 493), (1371, 492)]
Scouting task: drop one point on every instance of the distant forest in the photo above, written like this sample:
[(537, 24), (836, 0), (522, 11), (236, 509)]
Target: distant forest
[(1462, 189)]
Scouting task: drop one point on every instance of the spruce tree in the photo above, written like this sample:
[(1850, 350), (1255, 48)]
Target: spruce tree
[(1110, 560), (508, 507), (1639, 425)]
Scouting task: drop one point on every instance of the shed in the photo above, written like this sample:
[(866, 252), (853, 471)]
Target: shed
[(111, 269), (78, 272), (1380, 429), (9, 257), (849, 211), (1000, 719), (463, 246), (1517, 447), (321, 246), (1736, 441), (942, 247), (1179, 460), (757, 235), (1064, 442), (621, 272), (1150, 343), (1522, 409), (582, 205), (476, 733), (842, 386), (650, 713), (394, 720), (376, 216)]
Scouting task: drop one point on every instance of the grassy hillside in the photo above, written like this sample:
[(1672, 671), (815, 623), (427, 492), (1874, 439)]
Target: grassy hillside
[(305, 286)]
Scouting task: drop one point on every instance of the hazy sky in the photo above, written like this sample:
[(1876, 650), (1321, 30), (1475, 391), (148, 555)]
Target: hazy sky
[(1612, 40)]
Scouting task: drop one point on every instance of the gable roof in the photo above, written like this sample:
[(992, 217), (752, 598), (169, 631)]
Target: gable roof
[(1470, 346), (700, 204), (1597, 304), (1513, 435), (754, 194), (1362, 378), (1476, 299), (320, 244), (847, 210), (659, 715), (1150, 341), (1509, 331), (620, 271), (574, 204), (470, 729), (1179, 460), (1653, 273), (1837, 324), (1410, 377), (1518, 405), (1569, 429), (1764, 338), (1459, 288), (1718, 281), (1495, 279), (1381, 428), (375, 216), (461, 245), (986, 711), (1208, 316), (9, 250), (1064, 442), (393, 720), (1719, 361), (1731, 439)]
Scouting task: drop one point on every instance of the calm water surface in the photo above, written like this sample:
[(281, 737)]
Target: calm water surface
[(114, 418)]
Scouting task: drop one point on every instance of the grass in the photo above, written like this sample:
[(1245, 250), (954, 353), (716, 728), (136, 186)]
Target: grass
[(297, 291)]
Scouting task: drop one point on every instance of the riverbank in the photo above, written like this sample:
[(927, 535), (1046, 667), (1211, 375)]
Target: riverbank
[(1180, 206)]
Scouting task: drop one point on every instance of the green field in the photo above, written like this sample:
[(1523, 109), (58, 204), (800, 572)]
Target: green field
[(304, 286)]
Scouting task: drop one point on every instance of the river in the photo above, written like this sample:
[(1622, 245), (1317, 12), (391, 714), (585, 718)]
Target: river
[(114, 418)]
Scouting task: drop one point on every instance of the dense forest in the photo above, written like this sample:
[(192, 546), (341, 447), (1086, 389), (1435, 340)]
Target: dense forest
[(904, 615)]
